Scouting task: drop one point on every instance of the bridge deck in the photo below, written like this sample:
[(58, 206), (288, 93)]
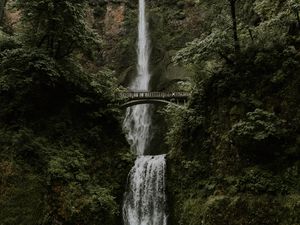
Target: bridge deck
[(154, 95)]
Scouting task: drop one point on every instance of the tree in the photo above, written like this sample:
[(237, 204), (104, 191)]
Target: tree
[(294, 6), (221, 37), (237, 47), (58, 27)]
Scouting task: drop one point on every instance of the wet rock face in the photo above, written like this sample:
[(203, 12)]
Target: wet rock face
[(114, 18), (112, 21), (9, 17), (108, 16)]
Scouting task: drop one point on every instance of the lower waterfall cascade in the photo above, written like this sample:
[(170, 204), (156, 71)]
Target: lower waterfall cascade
[(145, 200)]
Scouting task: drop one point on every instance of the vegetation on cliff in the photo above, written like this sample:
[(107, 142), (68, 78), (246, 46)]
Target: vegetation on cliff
[(64, 159), (235, 149)]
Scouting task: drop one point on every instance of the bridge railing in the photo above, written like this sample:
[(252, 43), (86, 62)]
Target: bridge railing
[(155, 94)]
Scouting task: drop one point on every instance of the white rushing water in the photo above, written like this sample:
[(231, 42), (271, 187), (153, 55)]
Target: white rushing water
[(138, 118), (145, 199)]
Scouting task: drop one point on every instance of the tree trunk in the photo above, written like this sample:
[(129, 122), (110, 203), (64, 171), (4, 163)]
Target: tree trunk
[(234, 27), (251, 35), (298, 19), (2, 7)]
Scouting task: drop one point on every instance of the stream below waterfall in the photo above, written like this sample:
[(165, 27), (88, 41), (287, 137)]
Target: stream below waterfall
[(145, 199)]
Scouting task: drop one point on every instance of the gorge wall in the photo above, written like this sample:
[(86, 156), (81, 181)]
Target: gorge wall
[(233, 152), (172, 24)]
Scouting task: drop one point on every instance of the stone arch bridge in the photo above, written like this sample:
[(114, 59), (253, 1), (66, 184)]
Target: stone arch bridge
[(136, 98)]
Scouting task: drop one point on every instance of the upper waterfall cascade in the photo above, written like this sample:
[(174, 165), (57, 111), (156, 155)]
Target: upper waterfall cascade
[(138, 118), (144, 200)]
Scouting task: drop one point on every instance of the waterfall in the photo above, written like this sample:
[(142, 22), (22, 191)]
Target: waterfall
[(138, 118), (144, 200)]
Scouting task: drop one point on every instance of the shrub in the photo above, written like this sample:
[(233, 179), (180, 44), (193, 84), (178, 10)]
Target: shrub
[(260, 134)]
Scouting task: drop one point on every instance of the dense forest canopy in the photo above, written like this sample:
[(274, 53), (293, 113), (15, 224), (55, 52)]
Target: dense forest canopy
[(233, 151), (61, 141)]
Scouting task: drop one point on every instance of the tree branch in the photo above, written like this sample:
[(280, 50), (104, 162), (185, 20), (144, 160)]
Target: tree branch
[(234, 27)]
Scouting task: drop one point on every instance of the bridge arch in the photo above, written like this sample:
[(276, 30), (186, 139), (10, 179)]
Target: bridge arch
[(136, 98), (146, 101)]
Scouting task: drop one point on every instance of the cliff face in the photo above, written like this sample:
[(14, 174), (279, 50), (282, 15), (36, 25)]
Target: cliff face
[(9, 17), (171, 25), (114, 19)]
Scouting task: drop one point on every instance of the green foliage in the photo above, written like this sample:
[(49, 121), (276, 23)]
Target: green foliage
[(60, 132), (192, 212), (35, 66), (58, 27), (7, 42), (258, 181), (21, 197), (261, 132), (26, 72), (240, 210), (208, 47), (91, 205), (184, 126), (248, 108), (258, 126), (264, 26), (78, 196), (71, 167), (175, 120)]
